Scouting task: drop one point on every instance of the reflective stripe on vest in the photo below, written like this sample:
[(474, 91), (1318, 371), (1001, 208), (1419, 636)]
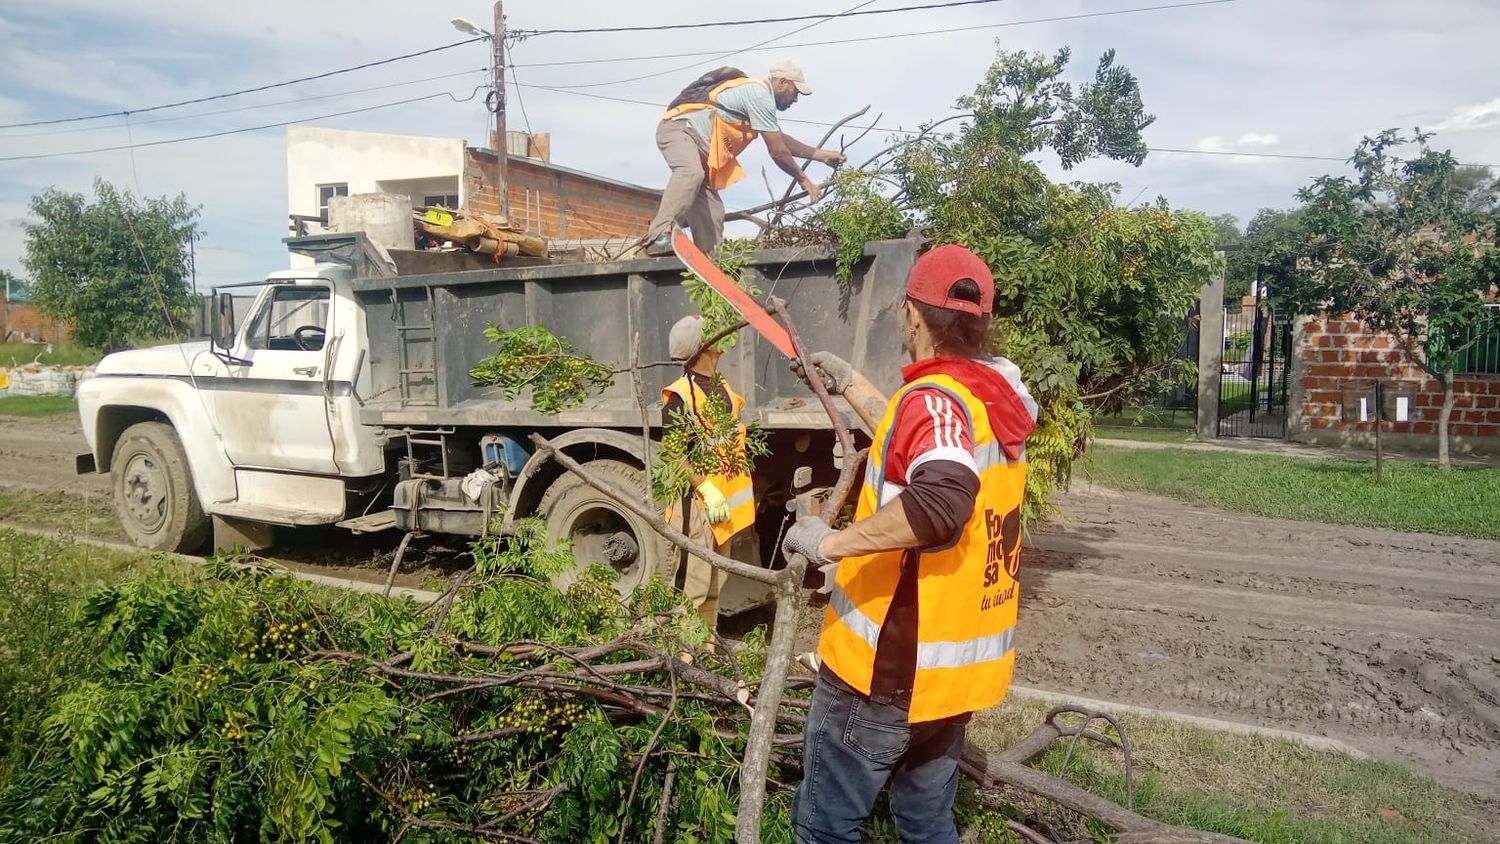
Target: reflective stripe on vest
[(739, 490), (728, 139), (967, 594)]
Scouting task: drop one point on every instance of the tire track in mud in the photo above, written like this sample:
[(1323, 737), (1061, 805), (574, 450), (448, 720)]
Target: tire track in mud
[(1387, 640)]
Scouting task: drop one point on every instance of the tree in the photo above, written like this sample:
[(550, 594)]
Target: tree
[(1268, 248), (1407, 246), (115, 269), (1090, 296)]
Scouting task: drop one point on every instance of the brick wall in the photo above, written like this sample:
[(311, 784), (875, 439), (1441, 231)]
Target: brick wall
[(557, 203), (1334, 352), (28, 323)]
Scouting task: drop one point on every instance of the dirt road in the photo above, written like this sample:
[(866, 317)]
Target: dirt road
[(1387, 640)]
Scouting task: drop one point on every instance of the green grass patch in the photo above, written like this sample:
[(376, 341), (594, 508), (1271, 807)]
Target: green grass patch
[(1262, 789), (62, 354), (38, 406), (65, 513), (1150, 435), (1179, 419), (1412, 497)]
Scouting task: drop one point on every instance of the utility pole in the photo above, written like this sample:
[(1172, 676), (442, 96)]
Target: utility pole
[(498, 106)]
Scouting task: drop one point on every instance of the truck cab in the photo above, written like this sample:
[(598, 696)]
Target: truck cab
[(257, 427)]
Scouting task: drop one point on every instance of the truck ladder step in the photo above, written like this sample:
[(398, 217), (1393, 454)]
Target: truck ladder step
[(373, 523)]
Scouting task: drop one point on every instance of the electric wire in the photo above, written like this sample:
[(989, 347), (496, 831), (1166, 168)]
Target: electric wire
[(242, 91), (722, 56), (865, 38), (238, 109), (534, 33)]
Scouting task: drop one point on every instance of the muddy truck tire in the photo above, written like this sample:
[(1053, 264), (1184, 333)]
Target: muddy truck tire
[(152, 490), (601, 531)]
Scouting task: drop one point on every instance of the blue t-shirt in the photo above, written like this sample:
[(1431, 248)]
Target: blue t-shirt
[(752, 99)]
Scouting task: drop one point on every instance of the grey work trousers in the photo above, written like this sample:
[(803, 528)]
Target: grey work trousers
[(688, 200)]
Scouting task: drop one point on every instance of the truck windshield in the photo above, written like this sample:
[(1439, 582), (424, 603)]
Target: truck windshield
[(295, 319)]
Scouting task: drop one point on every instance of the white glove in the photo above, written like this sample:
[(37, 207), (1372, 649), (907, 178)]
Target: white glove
[(836, 372)]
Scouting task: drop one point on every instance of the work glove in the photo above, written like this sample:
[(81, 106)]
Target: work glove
[(836, 372), (804, 537), (715, 505)]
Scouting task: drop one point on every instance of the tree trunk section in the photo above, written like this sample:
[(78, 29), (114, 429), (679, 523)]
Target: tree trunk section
[(1444, 461)]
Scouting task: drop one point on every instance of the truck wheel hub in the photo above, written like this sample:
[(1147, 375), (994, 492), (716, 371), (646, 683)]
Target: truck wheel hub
[(145, 491), (620, 549)]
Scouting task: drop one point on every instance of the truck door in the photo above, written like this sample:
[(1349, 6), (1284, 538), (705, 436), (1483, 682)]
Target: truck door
[(271, 411)]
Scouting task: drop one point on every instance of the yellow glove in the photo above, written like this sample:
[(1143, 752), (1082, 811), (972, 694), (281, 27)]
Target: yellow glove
[(715, 505)]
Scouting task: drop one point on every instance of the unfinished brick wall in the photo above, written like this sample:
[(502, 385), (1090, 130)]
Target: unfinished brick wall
[(27, 323), (557, 203), (1332, 352)]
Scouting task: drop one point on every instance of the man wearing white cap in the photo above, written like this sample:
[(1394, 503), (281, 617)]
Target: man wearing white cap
[(720, 505), (701, 136)]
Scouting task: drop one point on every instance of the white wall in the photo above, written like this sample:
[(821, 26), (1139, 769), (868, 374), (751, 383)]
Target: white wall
[(363, 160)]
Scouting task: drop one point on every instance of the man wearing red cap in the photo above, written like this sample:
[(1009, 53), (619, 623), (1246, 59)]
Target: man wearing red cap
[(920, 627)]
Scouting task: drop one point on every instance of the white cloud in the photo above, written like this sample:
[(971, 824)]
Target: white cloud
[(1480, 116)]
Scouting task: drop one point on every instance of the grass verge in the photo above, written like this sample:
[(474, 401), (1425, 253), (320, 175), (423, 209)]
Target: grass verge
[(1152, 435), (38, 406), (65, 513), (1416, 497), (62, 354), (1253, 787)]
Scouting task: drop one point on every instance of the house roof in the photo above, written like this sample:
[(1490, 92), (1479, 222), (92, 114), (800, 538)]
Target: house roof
[(569, 171)]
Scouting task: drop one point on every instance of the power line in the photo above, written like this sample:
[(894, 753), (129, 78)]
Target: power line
[(167, 141), (900, 131), (519, 101), (822, 20), (258, 88), (532, 33), (238, 109), (859, 39)]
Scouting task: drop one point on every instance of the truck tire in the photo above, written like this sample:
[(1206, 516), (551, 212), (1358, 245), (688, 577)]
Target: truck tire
[(601, 531), (153, 496)]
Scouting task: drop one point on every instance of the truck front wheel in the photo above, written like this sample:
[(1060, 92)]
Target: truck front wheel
[(601, 531), (153, 490)]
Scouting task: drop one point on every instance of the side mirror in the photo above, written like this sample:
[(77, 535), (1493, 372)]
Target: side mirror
[(223, 322)]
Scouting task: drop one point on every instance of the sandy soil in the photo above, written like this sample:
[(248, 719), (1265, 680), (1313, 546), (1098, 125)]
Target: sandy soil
[(1387, 640)]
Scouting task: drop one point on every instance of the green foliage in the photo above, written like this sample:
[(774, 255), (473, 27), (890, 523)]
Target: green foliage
[(1402, 247), (1407, 246), (1269, 247), (858, 212), (733, 257), (558, 374), (705, 444), (112, 269), (1090, 296)]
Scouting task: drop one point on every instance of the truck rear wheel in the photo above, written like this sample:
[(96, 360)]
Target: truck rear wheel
[(154, 498), (601, 531)]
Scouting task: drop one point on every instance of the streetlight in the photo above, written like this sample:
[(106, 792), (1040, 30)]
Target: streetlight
[(467, 27), (496, 101)]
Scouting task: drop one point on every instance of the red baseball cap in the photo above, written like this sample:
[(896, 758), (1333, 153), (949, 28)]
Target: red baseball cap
[(935, 273)]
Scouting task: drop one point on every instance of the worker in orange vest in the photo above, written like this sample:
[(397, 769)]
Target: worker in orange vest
[(701, 136), (720, 505), (920, 626)]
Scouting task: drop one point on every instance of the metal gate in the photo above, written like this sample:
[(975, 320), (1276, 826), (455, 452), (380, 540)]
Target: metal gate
[(1253, 377)]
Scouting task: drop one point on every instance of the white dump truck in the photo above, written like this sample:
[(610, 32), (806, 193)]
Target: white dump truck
[(341, 394)]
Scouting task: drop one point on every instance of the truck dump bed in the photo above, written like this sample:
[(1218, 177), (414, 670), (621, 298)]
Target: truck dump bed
[(427, 331)]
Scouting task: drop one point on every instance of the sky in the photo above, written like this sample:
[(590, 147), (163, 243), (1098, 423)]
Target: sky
[(1288, 77)]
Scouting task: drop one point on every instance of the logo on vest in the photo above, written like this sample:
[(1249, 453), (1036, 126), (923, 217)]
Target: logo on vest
[(1004, 535)]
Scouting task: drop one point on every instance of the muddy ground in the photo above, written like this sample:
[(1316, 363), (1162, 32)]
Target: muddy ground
[(1387, 640)]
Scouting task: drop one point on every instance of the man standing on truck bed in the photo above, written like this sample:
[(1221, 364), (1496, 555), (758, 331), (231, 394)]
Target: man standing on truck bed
[(701, 136), (921, 619), (721, 505)]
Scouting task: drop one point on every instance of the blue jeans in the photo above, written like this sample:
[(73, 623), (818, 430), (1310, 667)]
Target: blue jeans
[(852, 747)]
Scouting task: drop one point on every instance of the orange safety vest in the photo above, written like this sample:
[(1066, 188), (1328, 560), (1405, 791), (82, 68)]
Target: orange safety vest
[(737, 489), (729, 138), (967, 593)]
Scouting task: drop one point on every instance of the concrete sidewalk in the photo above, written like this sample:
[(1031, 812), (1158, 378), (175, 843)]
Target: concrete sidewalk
[(1285, 448)]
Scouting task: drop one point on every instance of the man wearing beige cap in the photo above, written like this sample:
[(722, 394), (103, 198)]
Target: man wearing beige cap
[(701, 136), (721, 507)]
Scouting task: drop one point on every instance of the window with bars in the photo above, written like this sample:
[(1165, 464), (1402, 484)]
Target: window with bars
[(1482, 358)]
